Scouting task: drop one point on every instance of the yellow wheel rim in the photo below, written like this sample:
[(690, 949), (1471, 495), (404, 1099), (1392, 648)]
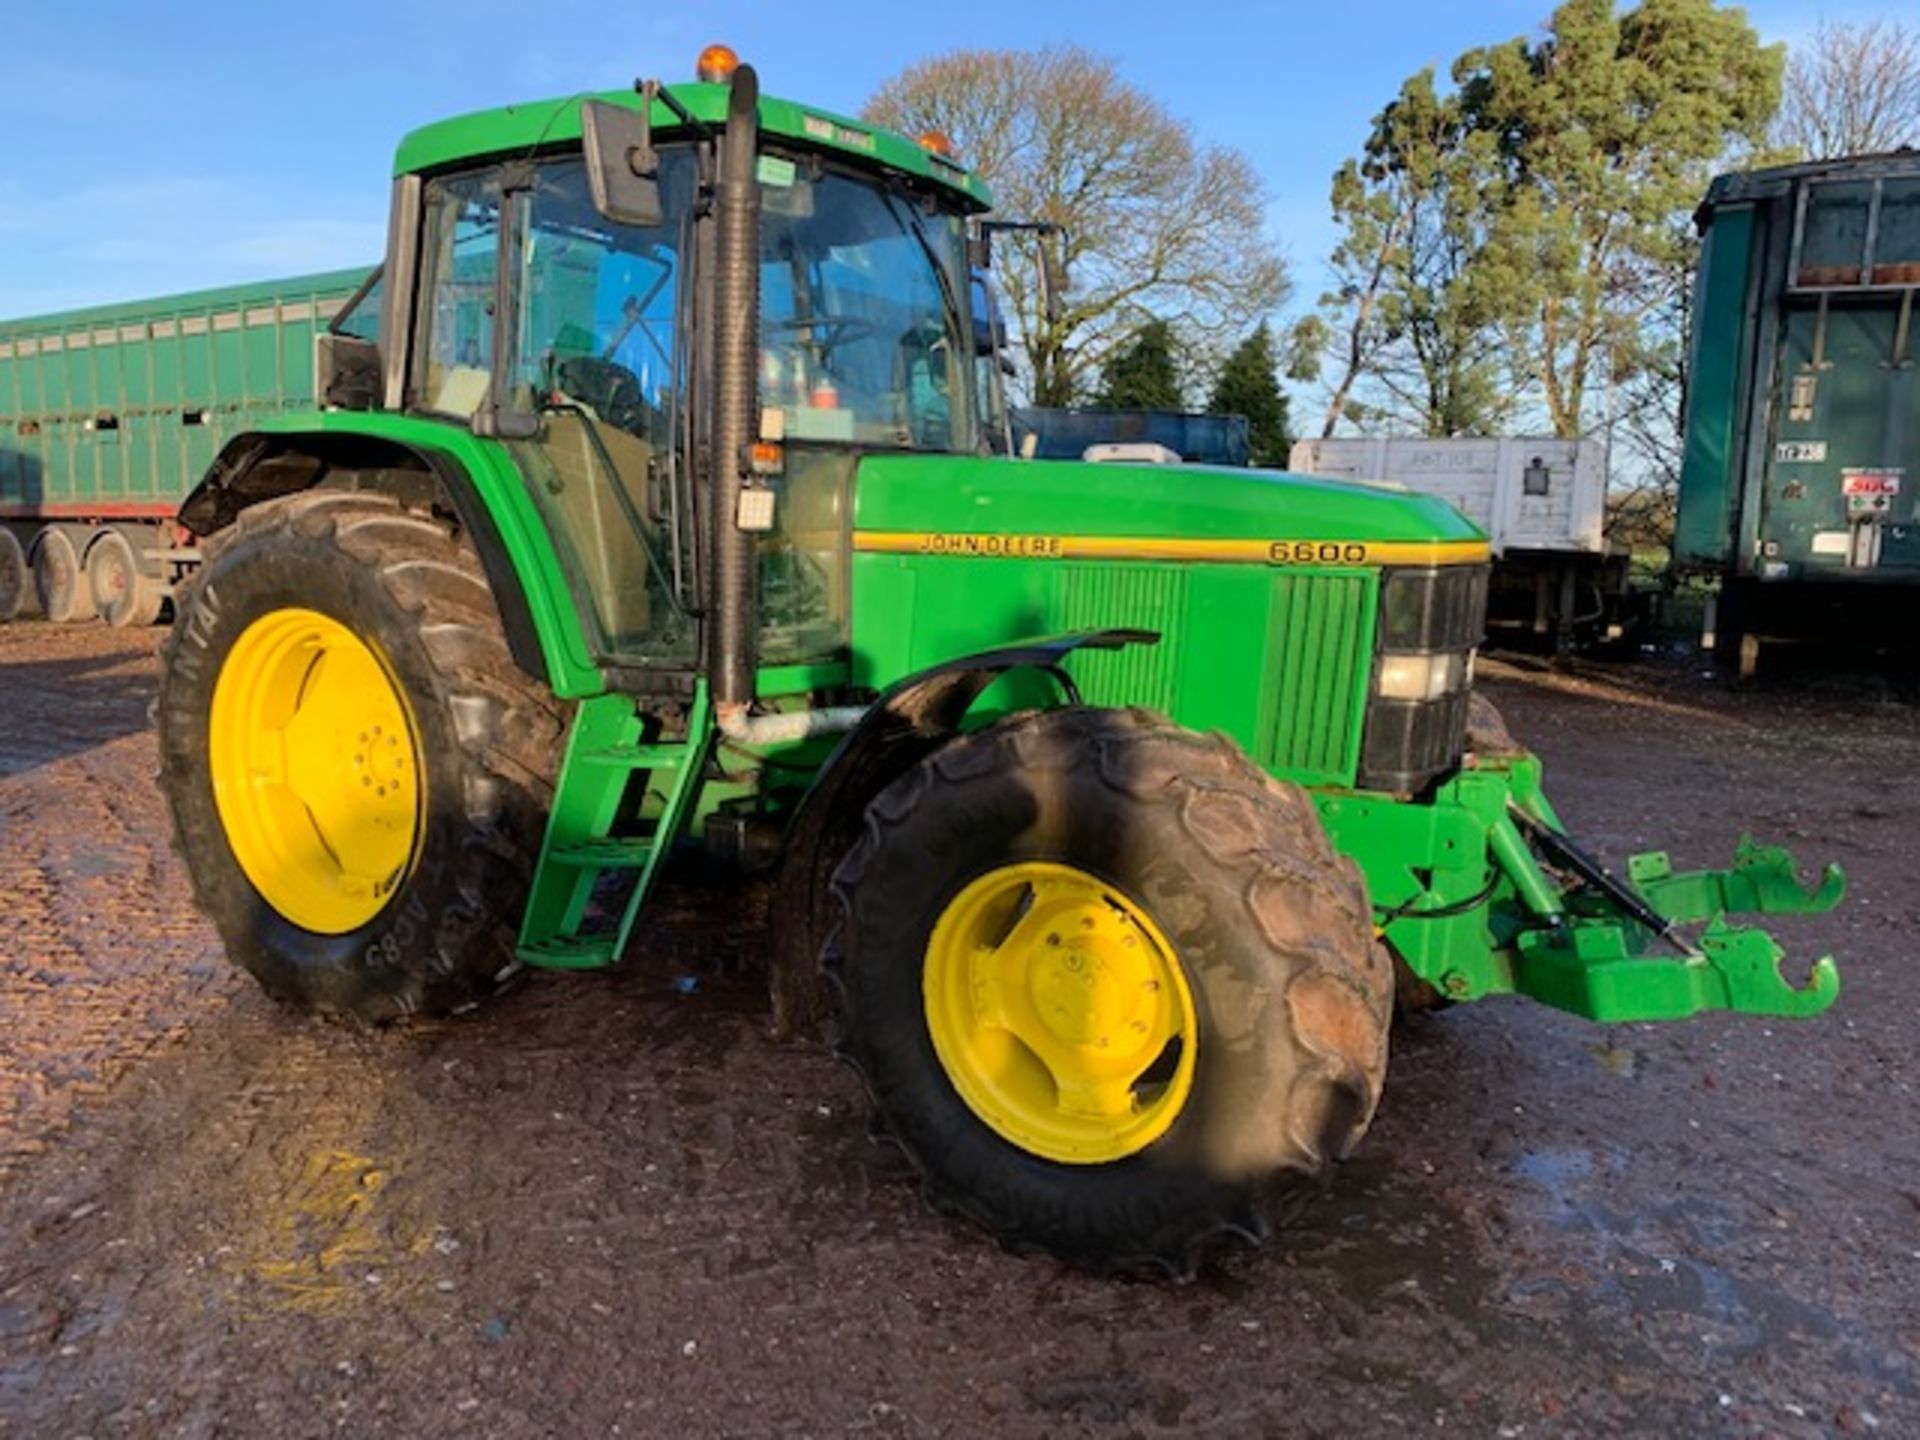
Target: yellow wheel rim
[(1060, 1013), (316, 770)]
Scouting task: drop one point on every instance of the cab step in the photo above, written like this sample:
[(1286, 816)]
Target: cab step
[(606, 764), (606, 854), (578, 952)]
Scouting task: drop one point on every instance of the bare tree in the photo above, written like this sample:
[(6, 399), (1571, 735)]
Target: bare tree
[(1158, 224), (1853, 90)]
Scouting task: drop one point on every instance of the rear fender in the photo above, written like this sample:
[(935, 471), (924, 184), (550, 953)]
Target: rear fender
[(481, 489)]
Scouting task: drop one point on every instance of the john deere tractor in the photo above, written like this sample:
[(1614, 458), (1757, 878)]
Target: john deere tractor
[(651, 500)]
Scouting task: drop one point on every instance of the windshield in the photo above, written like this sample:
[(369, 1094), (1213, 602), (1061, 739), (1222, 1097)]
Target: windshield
[(862, 339)]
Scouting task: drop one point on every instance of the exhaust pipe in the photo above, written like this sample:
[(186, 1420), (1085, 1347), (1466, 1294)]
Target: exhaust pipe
[(730, 650), (731, 658)]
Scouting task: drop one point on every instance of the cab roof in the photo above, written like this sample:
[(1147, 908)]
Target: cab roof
[(524, 127)]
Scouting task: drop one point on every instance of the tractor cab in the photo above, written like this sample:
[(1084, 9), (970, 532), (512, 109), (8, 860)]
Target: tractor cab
[(579, 333)]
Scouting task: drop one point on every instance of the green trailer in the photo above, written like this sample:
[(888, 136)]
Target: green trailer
[(110, 415), (1107, 809), (1800, 489)]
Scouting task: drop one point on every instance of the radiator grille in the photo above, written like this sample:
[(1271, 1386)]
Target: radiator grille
[(1320, 639)]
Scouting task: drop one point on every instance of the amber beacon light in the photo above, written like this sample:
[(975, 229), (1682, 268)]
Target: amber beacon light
[(716, 65)]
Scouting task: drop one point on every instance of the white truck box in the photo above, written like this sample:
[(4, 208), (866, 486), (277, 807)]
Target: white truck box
[(1527, 494)]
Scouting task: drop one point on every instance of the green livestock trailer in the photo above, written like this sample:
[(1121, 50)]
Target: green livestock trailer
[(110, 415), (1799, 489)]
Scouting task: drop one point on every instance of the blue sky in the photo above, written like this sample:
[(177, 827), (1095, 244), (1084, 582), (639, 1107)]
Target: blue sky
[(160, 147)]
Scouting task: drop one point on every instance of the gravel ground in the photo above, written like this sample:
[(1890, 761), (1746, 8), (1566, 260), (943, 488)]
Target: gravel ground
[(610, 1205)]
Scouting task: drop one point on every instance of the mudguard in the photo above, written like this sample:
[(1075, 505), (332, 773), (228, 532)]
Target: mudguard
[(265, 464)]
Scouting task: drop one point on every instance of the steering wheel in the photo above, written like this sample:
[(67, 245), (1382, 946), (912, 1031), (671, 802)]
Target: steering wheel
[(609, 388)]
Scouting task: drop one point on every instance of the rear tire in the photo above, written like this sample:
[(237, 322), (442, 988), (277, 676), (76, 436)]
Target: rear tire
[(1266, 929), (59, 579), (123, 594), (486, 740)]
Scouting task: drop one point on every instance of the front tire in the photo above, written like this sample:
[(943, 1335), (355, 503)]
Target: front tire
[(358, 773), (1178, 1027)]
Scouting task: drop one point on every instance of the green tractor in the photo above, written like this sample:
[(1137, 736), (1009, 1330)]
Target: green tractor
[(652, 498)]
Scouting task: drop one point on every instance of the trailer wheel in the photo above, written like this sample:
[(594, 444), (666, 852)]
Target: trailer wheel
[(18, 598), (358, 772), (59, 580), (123, 594), (1109, 986)]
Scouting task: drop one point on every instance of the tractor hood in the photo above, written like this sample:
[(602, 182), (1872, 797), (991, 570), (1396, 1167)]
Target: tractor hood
[(1044, 509)]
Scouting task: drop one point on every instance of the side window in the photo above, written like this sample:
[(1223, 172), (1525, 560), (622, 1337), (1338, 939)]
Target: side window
[(461, 241)]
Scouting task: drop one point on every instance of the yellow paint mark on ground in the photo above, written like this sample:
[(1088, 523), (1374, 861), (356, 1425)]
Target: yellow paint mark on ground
[(329, 1230)]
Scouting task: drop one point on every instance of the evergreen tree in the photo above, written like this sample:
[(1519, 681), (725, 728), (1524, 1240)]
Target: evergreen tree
[(1142, 375), (1247, 386), (1509, 245), (1606, 129)]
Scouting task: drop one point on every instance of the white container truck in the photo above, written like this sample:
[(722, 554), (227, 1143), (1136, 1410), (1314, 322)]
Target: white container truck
[(1542, 503)]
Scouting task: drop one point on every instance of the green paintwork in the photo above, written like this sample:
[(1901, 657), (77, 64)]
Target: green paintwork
[(1277, 659), (1014, 497), (501, 488), (520, 128), (1592, 970), (1763, 881), (605, 752), (774, 681), (1297, 709), (179, 376), (1575, 953)]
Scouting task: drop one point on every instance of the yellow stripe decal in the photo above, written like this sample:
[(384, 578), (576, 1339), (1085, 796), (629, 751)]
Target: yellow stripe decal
[(1124, 547)]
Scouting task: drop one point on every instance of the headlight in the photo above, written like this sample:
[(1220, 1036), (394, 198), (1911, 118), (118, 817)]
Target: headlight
[(1423, 677), (1431, 621)]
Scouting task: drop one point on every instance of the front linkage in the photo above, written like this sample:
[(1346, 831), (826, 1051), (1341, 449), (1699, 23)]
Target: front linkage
[(1481, 892)]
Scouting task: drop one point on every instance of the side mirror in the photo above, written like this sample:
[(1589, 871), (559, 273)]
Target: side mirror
[(622, 165), (989, 329), (980, 248), (1053, 265)]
